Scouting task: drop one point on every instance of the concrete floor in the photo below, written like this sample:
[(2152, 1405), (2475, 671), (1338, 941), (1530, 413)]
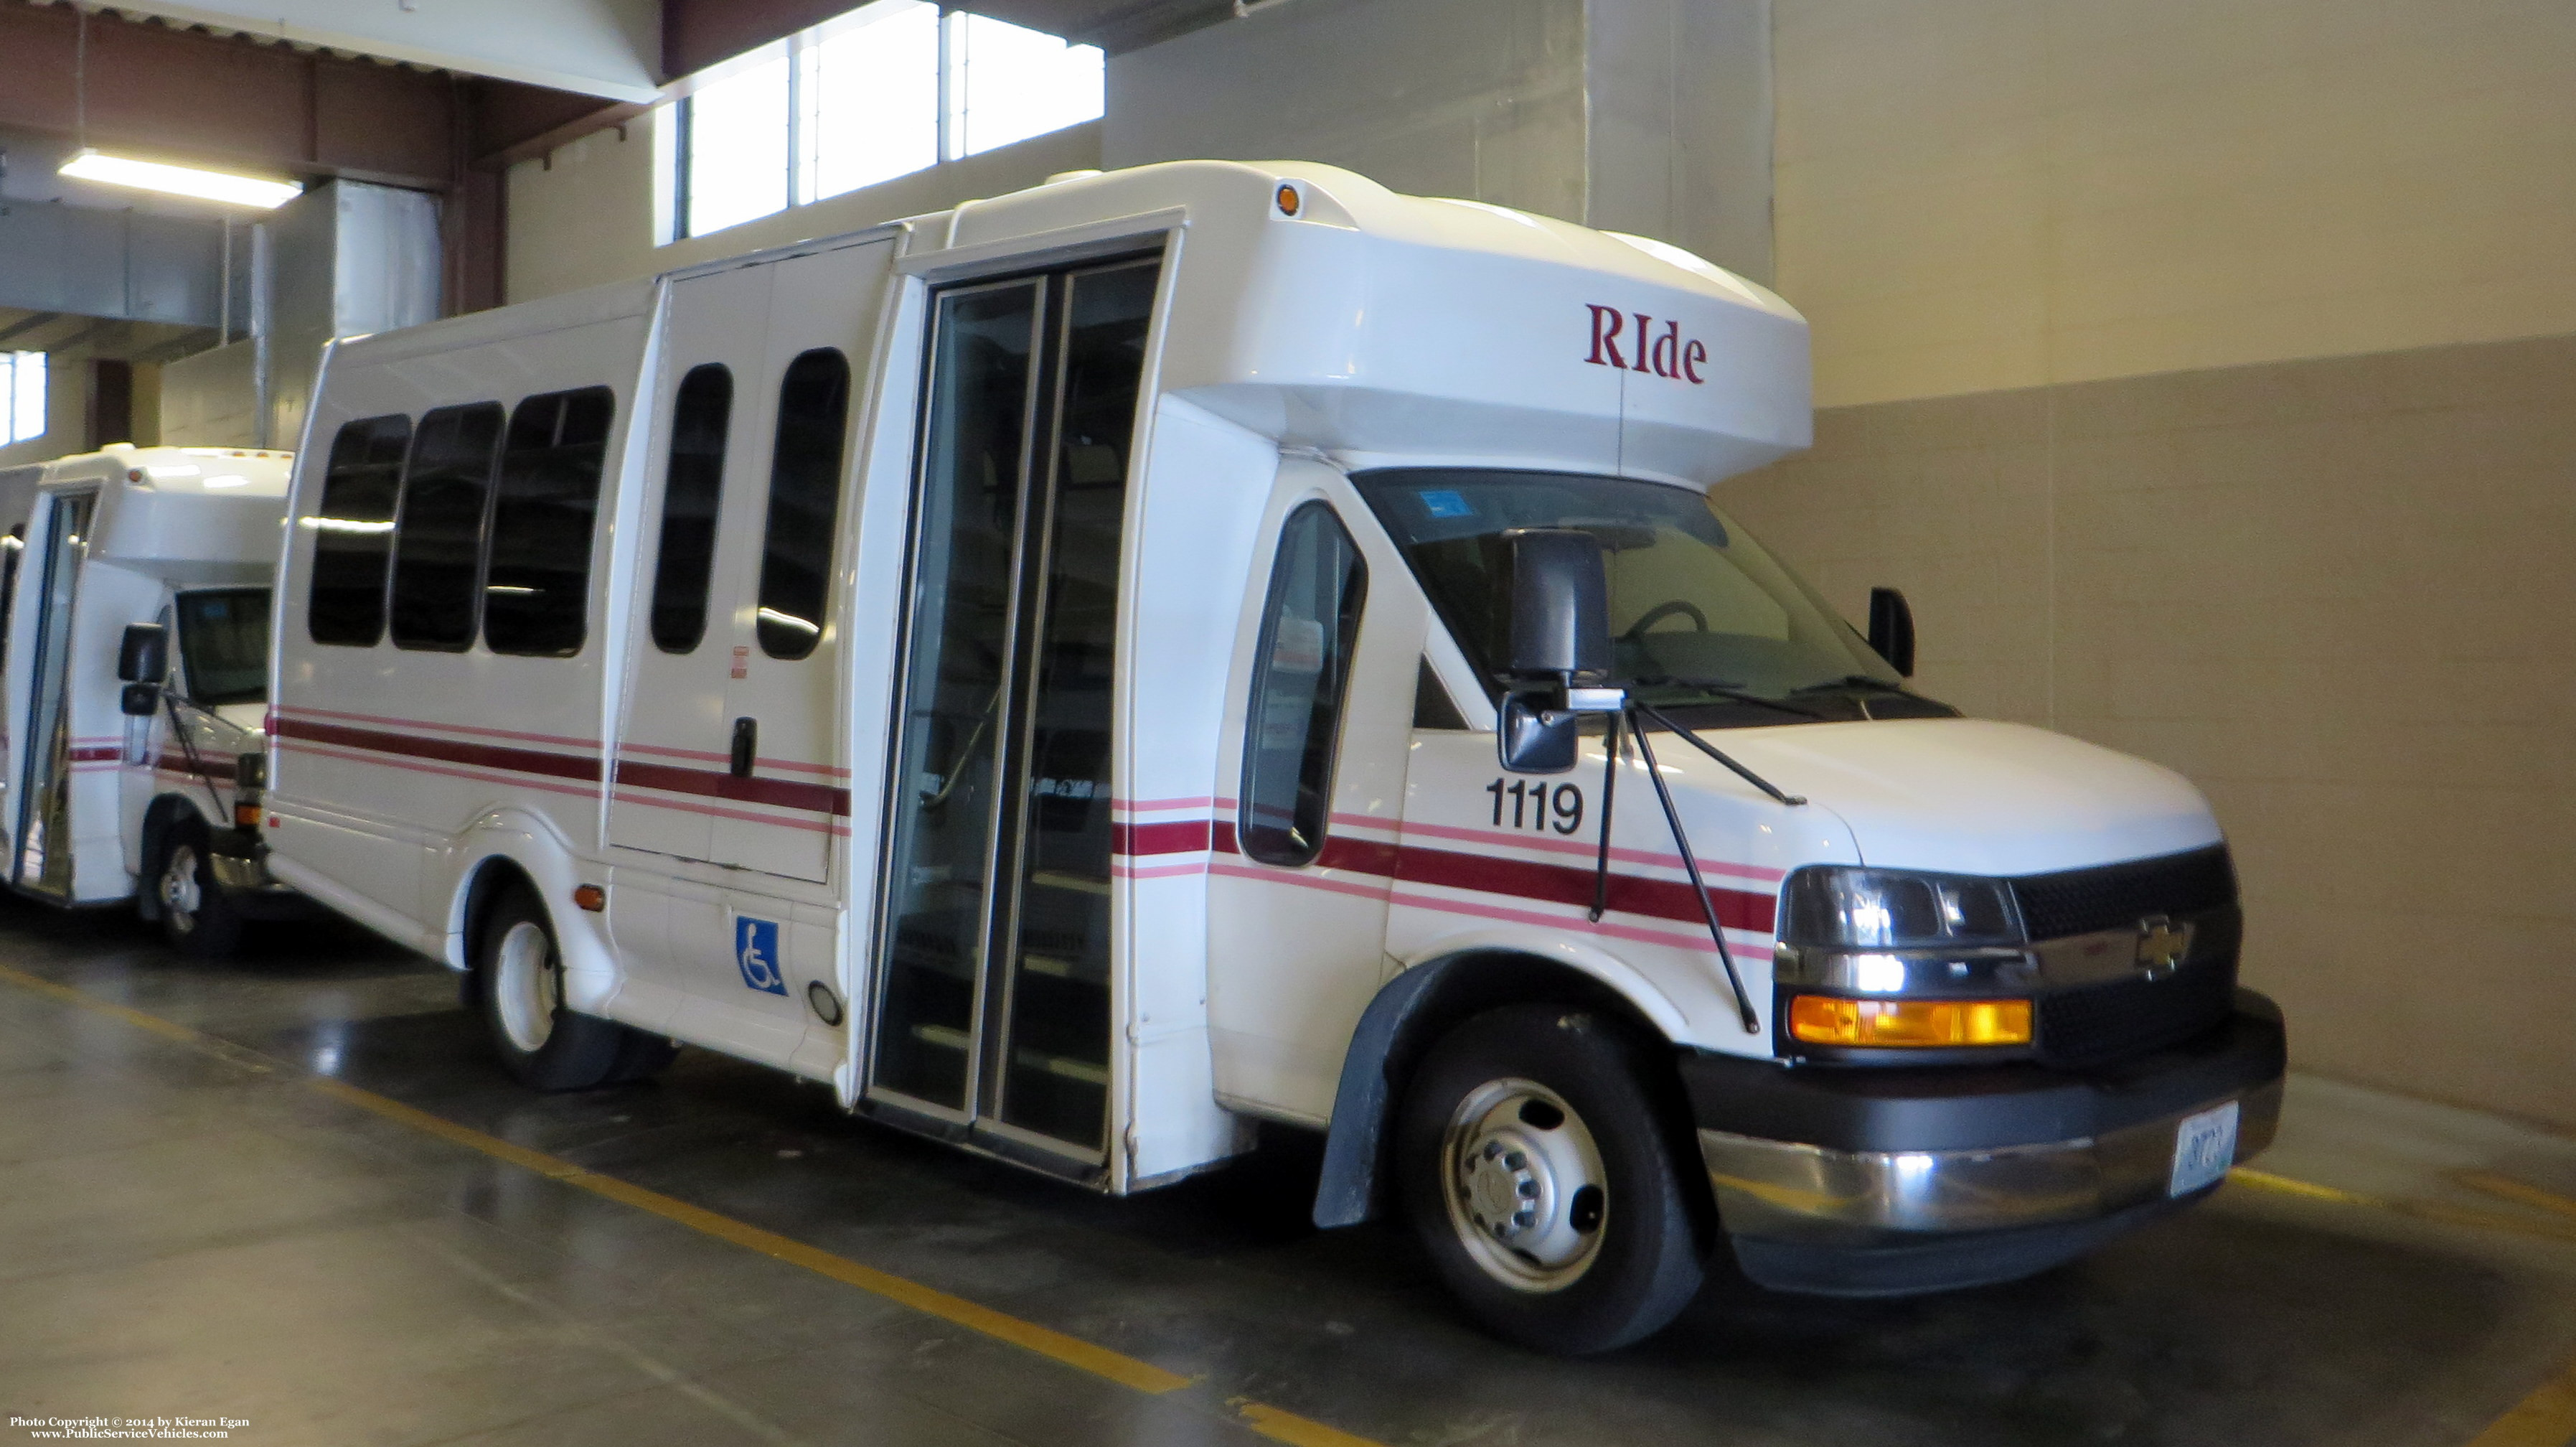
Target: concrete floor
[(185, 1232)]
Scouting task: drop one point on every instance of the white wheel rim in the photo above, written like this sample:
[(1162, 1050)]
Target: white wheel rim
[(1526, 1189), (523, 986), (179, 898)]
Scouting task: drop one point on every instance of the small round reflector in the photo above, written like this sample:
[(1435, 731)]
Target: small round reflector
[(590, 897), (1290, 203)]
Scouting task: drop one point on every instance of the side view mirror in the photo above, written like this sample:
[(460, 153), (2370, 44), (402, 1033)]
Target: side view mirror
[(1536, 739), (143, 654), (139, 700), (1559, 641), (1891, 629), (1560, 607)]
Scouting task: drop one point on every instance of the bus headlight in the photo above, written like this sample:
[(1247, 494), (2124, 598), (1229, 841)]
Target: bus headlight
[(1841, 907)]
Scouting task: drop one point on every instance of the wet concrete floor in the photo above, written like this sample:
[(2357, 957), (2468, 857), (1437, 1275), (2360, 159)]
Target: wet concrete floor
[(190, 1229)]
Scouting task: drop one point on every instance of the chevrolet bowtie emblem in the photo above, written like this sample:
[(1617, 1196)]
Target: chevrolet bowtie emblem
[(2161, 946)]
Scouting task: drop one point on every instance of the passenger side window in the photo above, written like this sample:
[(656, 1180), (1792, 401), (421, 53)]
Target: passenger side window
[(1301, 674), (804, 500), (438, 532), (700, 416), (353, 532), (536, 590)]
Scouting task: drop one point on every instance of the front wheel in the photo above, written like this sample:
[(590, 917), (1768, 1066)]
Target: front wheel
[(1537, 1171), (197, 917)]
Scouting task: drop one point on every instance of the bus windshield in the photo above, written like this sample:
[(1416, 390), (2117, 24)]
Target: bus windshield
[(1700, 614), (223, 644)]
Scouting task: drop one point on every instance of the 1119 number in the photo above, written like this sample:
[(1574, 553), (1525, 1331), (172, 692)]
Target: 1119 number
[(1535, 806)]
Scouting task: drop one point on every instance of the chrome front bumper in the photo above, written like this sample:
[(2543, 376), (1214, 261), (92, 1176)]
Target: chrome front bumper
[(1788, 1192), (246, 875)]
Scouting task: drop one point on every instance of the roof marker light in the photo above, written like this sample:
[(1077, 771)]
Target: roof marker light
[(223, 186), (1290, 203)]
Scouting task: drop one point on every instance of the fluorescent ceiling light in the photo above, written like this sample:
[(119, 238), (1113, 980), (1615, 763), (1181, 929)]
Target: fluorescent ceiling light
[(181, 180)]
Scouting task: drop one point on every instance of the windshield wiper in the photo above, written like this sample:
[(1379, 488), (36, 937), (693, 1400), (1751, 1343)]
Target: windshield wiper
[(1852, 680), (1728, 691)]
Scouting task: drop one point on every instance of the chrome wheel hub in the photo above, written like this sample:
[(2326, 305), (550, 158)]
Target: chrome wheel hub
[(179, 898), (1527, 1192), (523, 986)]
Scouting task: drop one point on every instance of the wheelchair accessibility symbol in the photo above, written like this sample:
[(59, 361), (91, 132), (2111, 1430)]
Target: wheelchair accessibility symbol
[(755, 949)]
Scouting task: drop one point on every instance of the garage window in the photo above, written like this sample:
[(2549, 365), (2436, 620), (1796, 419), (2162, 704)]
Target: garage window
[(353, 532)]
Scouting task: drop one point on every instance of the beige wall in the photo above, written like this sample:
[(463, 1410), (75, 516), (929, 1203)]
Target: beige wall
[(585, 214), (1979, 194), (2168, 356), (2337, 595)]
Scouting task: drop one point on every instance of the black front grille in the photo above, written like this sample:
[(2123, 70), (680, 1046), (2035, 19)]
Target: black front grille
[(2091, 1024), (2117, 896)]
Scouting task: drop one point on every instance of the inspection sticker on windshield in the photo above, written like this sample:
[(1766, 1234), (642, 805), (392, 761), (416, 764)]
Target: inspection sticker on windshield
[(2204, 1147), (1446, 504)]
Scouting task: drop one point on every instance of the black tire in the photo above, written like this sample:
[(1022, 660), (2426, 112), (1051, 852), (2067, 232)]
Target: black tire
[(1565, 1221), (643, 1056), (519, 983), (197, 918)]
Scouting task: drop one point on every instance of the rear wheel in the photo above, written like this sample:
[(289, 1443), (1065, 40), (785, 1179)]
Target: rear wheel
[(1539, 1172), (197, 918), (520, 986)]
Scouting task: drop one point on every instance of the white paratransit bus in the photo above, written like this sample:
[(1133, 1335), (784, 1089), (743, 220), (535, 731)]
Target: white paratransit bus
[(1102, 667), (134, 593)]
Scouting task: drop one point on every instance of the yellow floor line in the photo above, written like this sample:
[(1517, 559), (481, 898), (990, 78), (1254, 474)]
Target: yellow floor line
[(1074, 1352), (1292, 1429), (2470, 1217), (2546, 1418), (2513, 1190)]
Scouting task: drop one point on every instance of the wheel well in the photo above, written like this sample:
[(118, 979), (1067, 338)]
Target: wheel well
[(160, 818), (1403, 1024), (492, 878), (1470, 984)]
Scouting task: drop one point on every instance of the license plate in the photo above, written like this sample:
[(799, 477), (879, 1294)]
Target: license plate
[(2204, 1147)]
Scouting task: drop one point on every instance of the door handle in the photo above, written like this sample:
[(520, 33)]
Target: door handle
[(746, 743)]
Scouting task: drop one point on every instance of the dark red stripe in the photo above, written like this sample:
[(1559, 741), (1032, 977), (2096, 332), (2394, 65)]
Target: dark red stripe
[(1567, 884), (96, 754), (1519, 878), (785, 793), (1185, 836), (416, 746)]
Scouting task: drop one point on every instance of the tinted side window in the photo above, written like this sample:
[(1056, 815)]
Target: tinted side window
[(353, 532), (804, 499), (1299, 678), (438, 533), (536, 591), (700, 415)]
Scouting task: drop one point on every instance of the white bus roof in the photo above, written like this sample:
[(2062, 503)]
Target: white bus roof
[(1318, 308)]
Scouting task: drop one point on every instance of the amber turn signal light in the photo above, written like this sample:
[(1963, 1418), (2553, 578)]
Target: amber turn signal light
[(1824, 1020), (590, 897), (245, 816)]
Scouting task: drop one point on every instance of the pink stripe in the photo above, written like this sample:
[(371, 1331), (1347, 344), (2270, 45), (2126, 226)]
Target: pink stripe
[(1157, 871), (1302, 881), (1661, 860), (705, 757), (480, 777), (1575, 922), (1148, 806), (816, 825), (445, 727)]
